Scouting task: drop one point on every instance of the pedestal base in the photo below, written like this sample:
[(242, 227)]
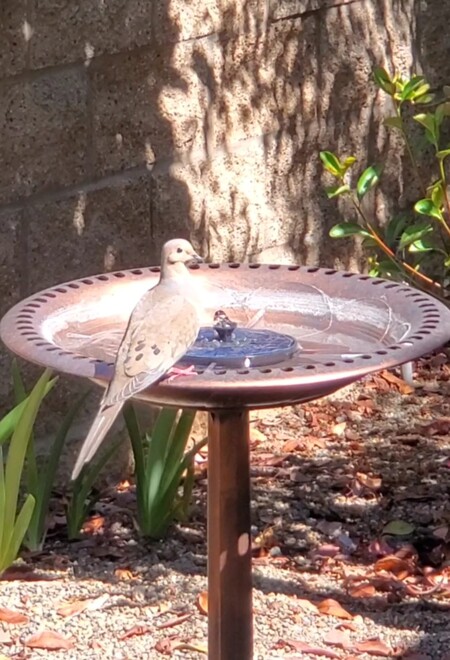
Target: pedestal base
[(230, 623)]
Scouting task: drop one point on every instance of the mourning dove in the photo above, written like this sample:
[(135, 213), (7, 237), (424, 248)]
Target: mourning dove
[(162, 327)]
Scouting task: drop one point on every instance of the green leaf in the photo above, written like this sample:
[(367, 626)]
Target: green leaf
[(161, 437), (398, 528), (427, 120), (10, 421), (420, 92), (348, 162), (413, 234), (14, 528), (20, 528), (332, 163), (369, 242), (421, 245), (427, 207), (2, 501), (394, 228), (37, 529), (159, 469), (436, 193), (82, 497), (334, 191), (425, 99), (393, 122), (368, 179), (411, 87), (180, 439), (383, 80), (18, 447), (345, 229), (388, 268)]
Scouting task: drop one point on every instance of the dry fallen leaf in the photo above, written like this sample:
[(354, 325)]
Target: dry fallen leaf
[(290, 445), (256, 436), (374, 647), (123, 486), (49, 640), (175, 621), (202, 602), (333, 608), (11, 616), (338, 429), (402, 386), (369, 481), (303, 647), (401, 568), (124, 574), (93, 525), (78, 606), (166, 645), (362, 591), (339, 638), (135, 631), (199, 648), (5, 638), (306, 605)]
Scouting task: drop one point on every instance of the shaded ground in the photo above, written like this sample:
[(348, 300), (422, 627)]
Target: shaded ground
[(350, 503)]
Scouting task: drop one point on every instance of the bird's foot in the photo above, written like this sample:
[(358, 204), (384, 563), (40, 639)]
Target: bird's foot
[(176, 372)]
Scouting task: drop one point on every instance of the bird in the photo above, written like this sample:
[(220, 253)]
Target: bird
[(162, 327), (223, 325)]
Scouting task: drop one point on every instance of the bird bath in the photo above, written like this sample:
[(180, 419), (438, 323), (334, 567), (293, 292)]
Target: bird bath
[(339, 326)]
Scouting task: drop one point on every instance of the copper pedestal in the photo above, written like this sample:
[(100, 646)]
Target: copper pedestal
[(346, 325)]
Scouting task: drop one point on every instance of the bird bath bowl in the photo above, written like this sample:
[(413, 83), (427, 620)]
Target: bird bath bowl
[(329, 328)]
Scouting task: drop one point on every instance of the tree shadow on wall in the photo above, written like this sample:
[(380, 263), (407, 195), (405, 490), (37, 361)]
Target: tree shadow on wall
[(279, 89)]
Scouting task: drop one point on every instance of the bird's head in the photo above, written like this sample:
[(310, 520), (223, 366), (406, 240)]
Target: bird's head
[(179, 251)]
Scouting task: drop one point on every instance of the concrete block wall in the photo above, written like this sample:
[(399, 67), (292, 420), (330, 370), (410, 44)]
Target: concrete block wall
[(126, 122)]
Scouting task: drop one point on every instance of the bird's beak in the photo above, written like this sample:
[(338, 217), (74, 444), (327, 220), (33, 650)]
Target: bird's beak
[(196, 259)]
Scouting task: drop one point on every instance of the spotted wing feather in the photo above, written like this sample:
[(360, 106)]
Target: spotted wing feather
[(161, 329)]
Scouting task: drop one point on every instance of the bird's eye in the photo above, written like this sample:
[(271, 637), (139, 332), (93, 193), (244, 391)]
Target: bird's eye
[(179, 250)]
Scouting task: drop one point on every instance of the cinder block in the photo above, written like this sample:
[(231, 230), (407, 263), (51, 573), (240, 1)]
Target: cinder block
[(128, 126), (15, 33), (43, 128), (11, 284), (78, 31), (179, 20), (90, 233)]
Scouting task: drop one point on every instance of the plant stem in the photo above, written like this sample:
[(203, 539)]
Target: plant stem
[(445, 191), (398, 112), (387, 250)]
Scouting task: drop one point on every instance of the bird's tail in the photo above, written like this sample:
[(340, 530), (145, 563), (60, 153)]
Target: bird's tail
[(100, 427)]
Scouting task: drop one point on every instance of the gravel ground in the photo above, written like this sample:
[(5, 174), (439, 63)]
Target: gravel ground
[(327, 478)]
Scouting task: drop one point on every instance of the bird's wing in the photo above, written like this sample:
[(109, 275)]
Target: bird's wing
[(162, 327)]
